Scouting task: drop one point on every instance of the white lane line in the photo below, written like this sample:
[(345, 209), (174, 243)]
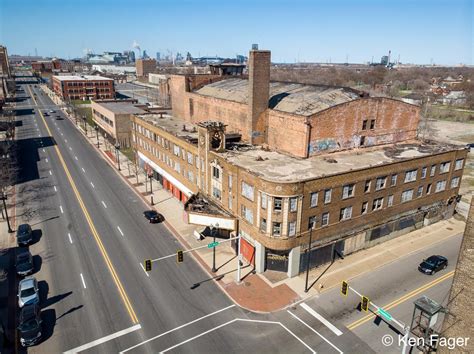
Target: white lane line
[(104, 339), (92, 184), (103, 203), (328, 324), (50, 173), (55, 189), (65, 140), (62, 134), (61, 207), (83, 282), (39, 135), (46, 159), (44, 150), (121, 233), (70, 148), (141, 265), (75, 158), (178, 328), (82, 168), (70, 238), (312, 329)]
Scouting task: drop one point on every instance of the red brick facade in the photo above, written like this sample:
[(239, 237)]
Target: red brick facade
[(80, 88)]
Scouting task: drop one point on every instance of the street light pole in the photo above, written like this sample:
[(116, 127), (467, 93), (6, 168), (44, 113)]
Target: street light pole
[(96, 127), (151, 185), (117, 148), (4, 198), (309, 259), (214, 269)]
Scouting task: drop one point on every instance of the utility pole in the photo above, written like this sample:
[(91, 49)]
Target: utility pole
[(214, 269), (239, 260), (4, 199), (309, 258)]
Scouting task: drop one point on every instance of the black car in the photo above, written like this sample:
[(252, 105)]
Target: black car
[(30, 325), (152, 216), (24, 234), (433, 264), (24, 262)]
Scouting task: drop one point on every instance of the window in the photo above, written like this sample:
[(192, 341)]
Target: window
[(455, 182), (380, 183), (314, 199), (423, 172), (190, 158), (293, 204), (325, 219), (276, 231), (327, 196), (177, 167), (191, 176), (312, 222), (230, 199), (410, 176), (264, 200), (347, 191), (365, 206), (394, 180), (433, 170), (346, 213), (407, 195), (428, 189), (263, 224), (216, 193), (277, 204), (444, 167), (362, 141), (364, 124), (292, 228), (419, 192), (247, 191), (390, 201), (176, 150), (367, 186), (247, 214), (372, 124), (440, 186), (377, 204), (458, 164), (230, 182), (216, 172)]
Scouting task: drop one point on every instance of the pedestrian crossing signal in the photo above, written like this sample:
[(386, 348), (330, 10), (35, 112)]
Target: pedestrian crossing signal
[(179, 256), (344, 288), (364, 305), (148, 265)]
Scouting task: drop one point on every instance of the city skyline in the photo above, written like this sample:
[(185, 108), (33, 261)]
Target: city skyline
[(295, 32)]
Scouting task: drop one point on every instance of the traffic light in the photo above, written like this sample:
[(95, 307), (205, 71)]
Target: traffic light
[(179, 256), (344, 288), (364, 305), (148, 265)]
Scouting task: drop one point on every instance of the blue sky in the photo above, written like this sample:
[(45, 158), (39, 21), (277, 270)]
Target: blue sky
[(419, 31)]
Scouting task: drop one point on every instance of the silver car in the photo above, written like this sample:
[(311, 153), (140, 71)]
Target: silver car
[(28, 292)]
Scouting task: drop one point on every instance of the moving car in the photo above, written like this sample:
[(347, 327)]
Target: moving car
[(433, 264), (152, 216), (30, 325), (28, 292), (24, 235), (24, 262), (52, 111)]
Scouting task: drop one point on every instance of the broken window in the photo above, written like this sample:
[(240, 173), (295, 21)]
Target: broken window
[(364, 124), (364, 208), (372, 124), (276, 231), (377, 204), (444, 167), (263, 225), (362, 141), (277, 203), (293, 204), (367, 186), (312, 222), (380, 183)]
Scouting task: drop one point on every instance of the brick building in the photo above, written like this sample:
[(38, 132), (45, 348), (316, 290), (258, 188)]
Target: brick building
[(46, 66), (279, 161), (4, 63), (145, 67), (88, 87)]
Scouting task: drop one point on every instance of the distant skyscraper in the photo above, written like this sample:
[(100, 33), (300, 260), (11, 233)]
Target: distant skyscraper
[(384, 60), (145, 55), (158, 56), (130, 54)]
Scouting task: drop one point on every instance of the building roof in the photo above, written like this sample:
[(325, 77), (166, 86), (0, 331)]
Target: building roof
[(121, 107), (80, 77), (172, 125), (277, 167), (292, 98)]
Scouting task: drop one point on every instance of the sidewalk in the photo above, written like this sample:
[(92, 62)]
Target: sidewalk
[(256, 292)]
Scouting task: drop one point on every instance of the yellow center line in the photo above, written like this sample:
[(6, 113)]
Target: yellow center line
[(402, 299), (97, 238)]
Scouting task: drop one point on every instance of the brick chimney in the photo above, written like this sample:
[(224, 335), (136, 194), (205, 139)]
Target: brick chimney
[(259, 92)]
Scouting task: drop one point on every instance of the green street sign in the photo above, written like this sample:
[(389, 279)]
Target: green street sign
[(212, 244), (385, 314)]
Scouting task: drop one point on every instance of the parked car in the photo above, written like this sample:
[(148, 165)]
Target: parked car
[(152, 216), (24, 235), (433, 264), (52, 111), (30, 325), (24, 262), (28, 292)]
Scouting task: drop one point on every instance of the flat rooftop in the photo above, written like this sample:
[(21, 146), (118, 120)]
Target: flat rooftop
[(80, 78), (121, 107), (287, 97), (277, 167), (175, 126)]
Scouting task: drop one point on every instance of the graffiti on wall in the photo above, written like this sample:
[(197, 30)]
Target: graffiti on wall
[(322, 145)]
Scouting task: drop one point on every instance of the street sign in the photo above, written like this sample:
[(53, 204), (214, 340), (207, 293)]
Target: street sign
[(212, 244), (385, 314)]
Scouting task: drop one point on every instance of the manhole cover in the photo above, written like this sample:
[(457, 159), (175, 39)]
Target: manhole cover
[(449, 228)]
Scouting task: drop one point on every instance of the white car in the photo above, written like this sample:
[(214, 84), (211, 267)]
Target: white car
[(51, 111), (28, 292)]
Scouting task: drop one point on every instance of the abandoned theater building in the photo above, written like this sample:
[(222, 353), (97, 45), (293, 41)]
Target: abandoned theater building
[(278, 162)]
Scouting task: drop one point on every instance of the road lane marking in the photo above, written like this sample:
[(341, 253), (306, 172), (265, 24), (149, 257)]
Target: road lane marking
[(46, 159), (50, 173), (75, 158), (65, 140), (70, 238), (92, 184), (141, 265), (312, 329), (83, 282), (328, 324), (402, 299), (178, 328), (70, 148), (95, 234), (121, 233), (55, 189), (104, 339), (103, 203), (62, 134), (82, 168), (61, 207), (44, 150)]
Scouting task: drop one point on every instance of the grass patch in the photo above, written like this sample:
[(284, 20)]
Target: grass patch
[(79, 102)]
